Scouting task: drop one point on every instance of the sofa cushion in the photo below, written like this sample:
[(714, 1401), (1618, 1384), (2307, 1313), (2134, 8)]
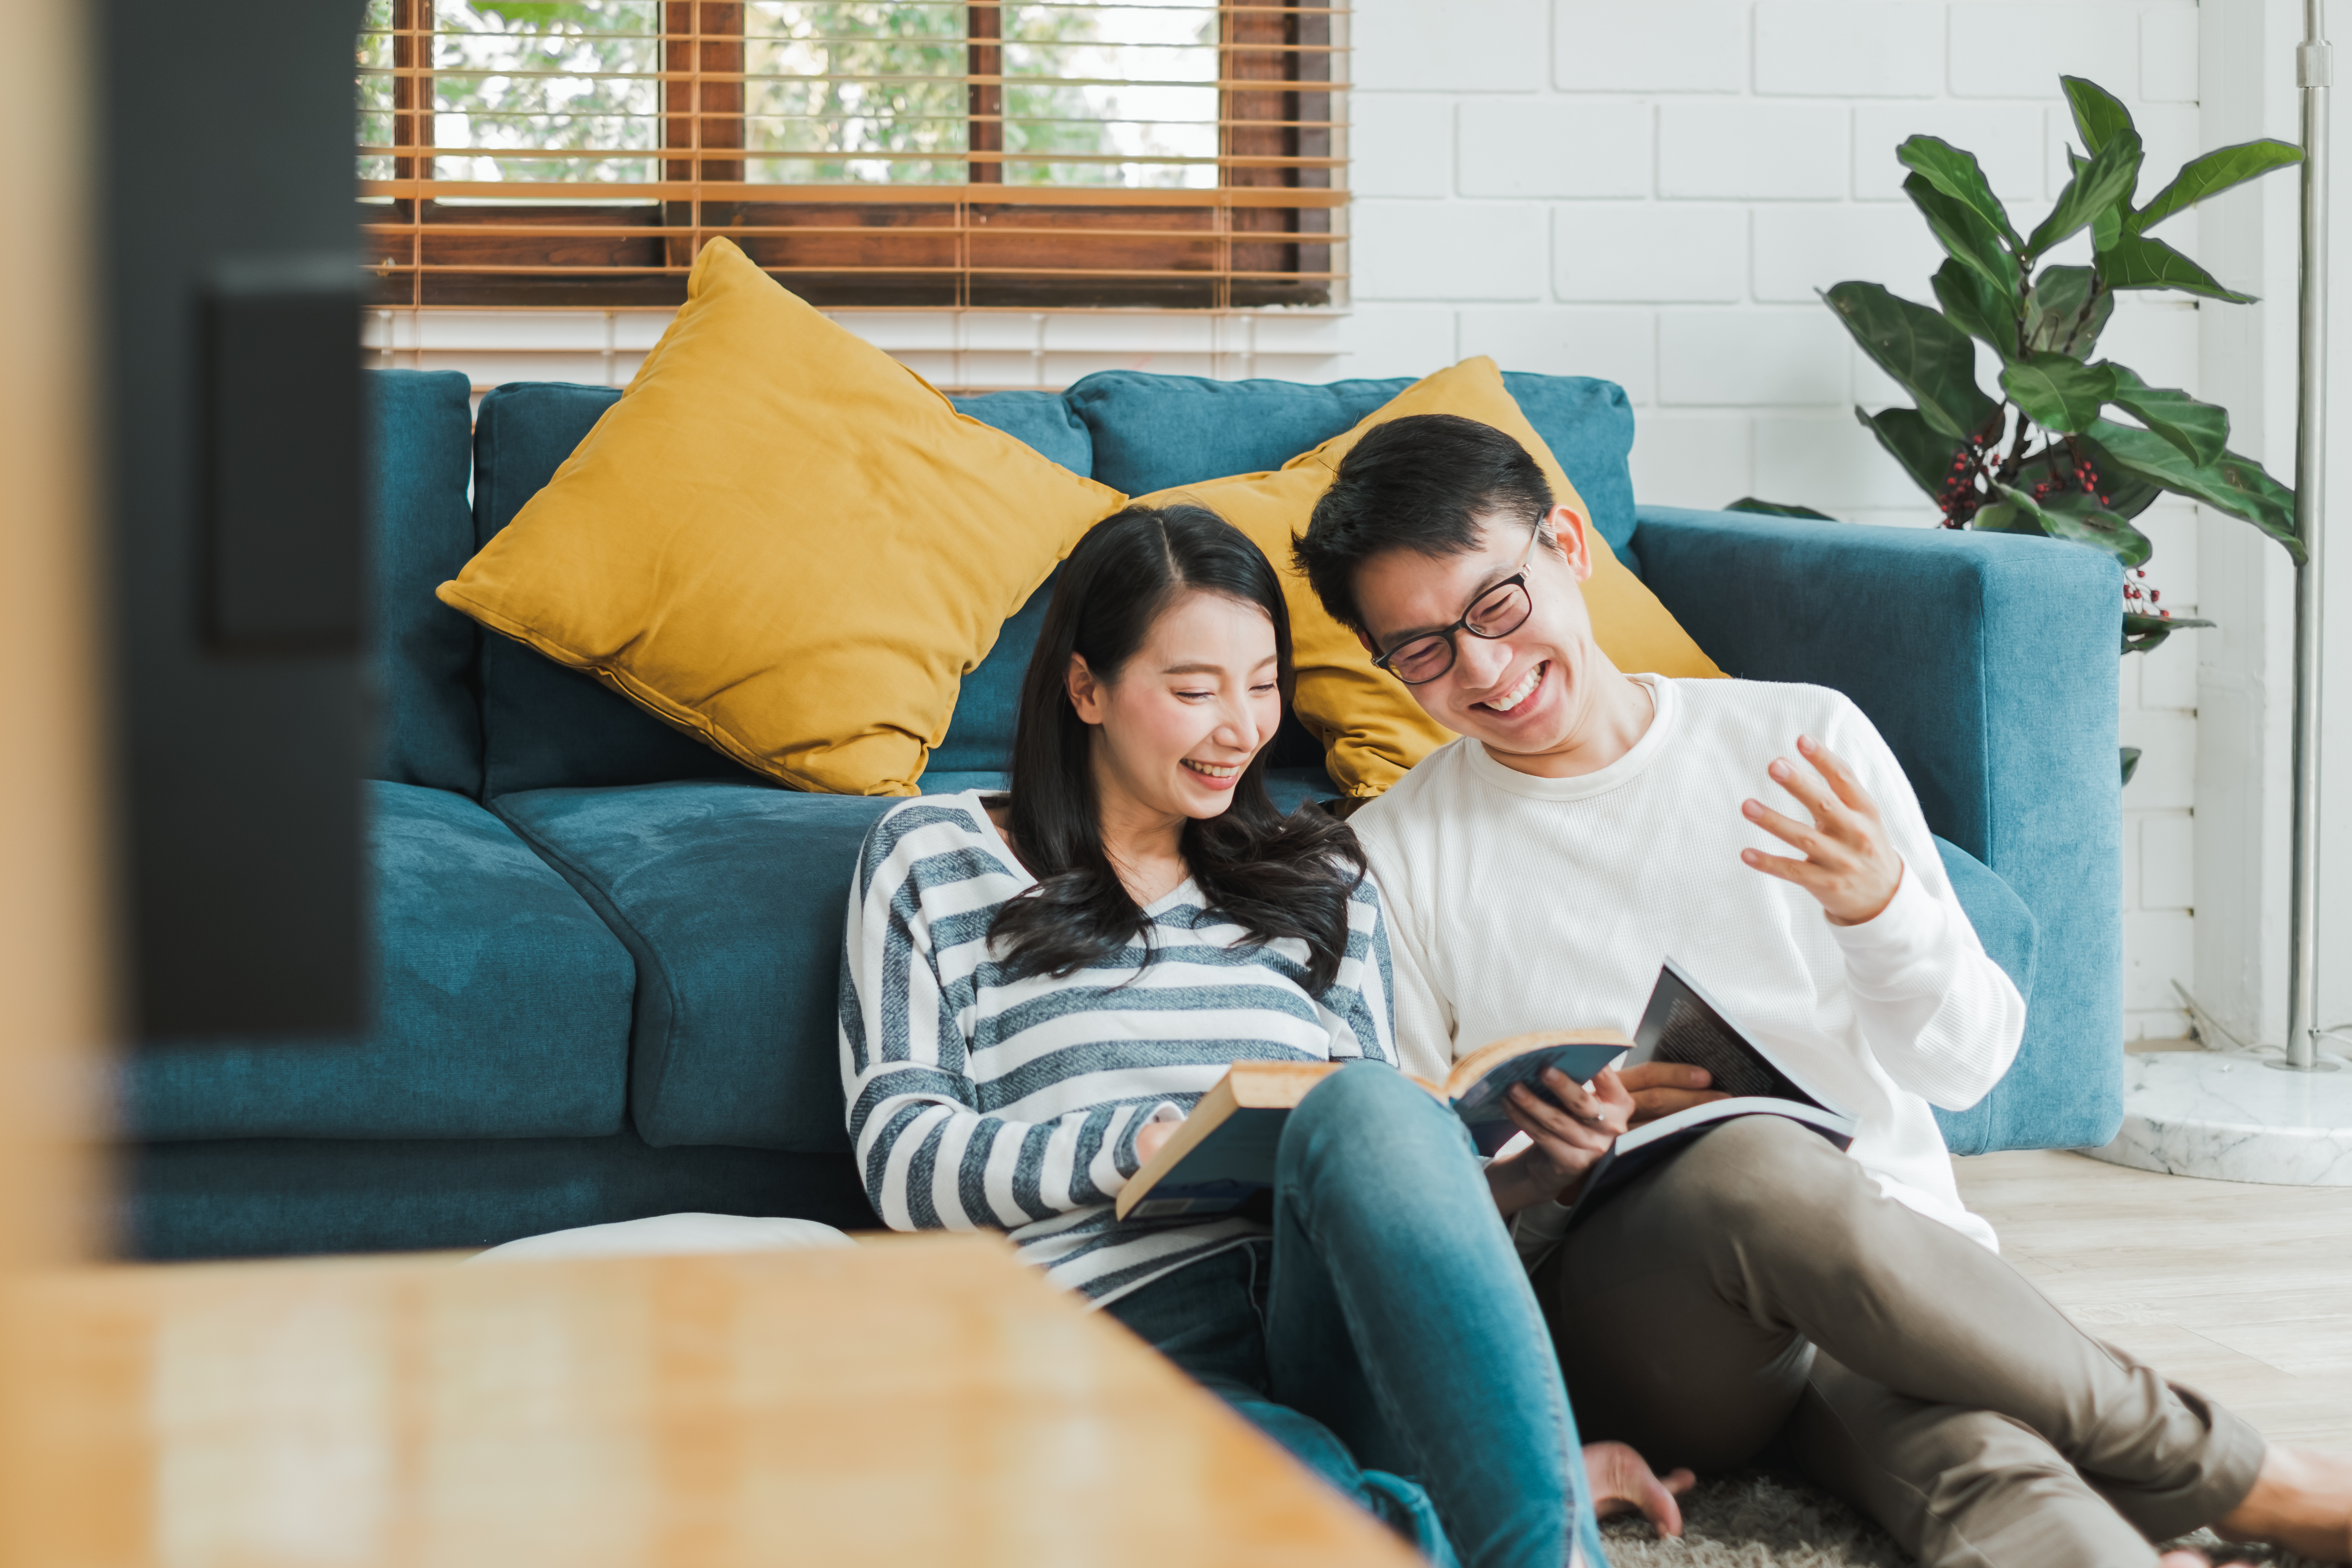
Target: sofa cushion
[(732, 898), (503, 1007), (549, 727), (1155, 432), (782, 542), (428, 724)]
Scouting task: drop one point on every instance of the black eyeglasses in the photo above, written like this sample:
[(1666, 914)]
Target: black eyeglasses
[(1496, 613)]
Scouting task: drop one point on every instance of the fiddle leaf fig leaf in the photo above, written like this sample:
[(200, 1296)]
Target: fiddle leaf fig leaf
[(1955, 172), (2066, 311), (2098, 115), (1968, 237), (2102, 186), (2059, 392), (2135, 261), (2214, 172), (1975, 307), (2120, 491), (2003, 518), (1929, 458), (2066, 517), (2107, 227), (2079, 517), (2233, 484), (1927, 356), (2201, 430), (2143, 634)]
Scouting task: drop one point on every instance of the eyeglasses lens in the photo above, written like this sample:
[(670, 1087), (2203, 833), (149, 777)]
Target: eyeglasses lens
[(1500, 613), (1424, 659)]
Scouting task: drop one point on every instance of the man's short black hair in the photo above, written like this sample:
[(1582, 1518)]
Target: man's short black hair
[(1428, 483)]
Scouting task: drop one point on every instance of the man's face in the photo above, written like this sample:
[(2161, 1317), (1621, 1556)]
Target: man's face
[(1528, 692)]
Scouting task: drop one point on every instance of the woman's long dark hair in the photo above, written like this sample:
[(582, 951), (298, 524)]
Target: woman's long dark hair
[(1273, 876)]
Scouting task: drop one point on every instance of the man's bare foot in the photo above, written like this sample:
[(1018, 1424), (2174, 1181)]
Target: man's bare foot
[(1622, 1481), (2302, 1500), (2182, 1557)]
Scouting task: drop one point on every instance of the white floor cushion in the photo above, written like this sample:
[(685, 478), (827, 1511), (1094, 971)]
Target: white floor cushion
[(670, 1234)]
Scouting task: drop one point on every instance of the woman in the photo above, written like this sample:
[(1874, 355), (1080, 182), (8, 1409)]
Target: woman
[(1037, 987)]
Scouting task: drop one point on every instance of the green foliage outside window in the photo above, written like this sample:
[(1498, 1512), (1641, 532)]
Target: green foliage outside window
[(851, 77)]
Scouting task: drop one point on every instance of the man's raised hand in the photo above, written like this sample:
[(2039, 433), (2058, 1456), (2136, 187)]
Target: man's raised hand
[(1848, 863)]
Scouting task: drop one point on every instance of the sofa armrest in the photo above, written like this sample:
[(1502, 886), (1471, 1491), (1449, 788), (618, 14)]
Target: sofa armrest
[(1989, 662)]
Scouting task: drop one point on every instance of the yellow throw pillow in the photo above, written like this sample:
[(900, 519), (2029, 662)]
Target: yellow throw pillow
[(1370, 728), (782, 542)]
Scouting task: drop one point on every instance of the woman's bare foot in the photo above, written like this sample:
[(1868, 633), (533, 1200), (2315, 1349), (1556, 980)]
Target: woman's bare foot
[(2182, 1557), (2302, 1500), (1622, 1481)]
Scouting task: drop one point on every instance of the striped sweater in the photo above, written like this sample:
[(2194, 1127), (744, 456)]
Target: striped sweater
[(978, 1100)]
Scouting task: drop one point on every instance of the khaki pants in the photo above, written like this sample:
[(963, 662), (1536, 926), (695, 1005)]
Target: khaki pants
[(1757, 1300)]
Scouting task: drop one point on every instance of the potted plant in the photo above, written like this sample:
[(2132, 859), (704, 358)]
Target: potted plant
[(2044, 457)]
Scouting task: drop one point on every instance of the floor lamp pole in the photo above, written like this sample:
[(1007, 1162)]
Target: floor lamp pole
[(2313, 71)]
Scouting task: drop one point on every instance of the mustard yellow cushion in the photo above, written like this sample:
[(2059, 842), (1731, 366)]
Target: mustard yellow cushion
[(782, 542), (1370, 728)]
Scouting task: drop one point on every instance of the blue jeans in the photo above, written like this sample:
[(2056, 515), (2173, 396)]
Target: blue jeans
[(1387, 1335)]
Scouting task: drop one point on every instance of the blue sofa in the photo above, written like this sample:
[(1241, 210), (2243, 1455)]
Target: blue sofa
[(607, 956)]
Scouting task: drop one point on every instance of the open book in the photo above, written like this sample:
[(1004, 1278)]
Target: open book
[(1222, 1155), (1682, 1023)]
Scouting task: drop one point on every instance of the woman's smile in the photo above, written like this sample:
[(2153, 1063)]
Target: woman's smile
[(1216, 775)]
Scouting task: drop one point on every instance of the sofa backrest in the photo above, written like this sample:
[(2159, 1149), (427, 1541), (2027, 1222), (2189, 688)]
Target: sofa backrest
[(485, 715), (1152, 432), (429, 724)]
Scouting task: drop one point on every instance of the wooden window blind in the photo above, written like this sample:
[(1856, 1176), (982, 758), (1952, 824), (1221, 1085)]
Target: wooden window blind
[(965, 155)]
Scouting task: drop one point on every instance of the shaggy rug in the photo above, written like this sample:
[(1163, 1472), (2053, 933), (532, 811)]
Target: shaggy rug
[(1759, 1521)]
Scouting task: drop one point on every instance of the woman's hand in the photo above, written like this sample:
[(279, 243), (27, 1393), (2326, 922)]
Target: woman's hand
[(1622, 1481), (1150, 1137), (1850, 865), (1570, 1128)]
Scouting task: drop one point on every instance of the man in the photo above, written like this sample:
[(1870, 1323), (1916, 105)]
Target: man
[(1761, 1294)]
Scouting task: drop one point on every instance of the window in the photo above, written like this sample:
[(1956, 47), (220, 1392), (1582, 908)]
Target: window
[(997, 153)]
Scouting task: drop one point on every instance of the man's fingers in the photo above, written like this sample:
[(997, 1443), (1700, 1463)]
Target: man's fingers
[(1664, 1075), (1804, 873), (1652, 1103), (1810, 789), (1802, 836), (1841, 777)]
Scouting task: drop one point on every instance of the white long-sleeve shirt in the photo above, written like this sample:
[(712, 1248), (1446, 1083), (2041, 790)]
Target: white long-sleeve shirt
[(1518, 903)]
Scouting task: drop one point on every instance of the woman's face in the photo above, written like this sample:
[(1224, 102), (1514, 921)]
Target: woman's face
[(1174, 730)]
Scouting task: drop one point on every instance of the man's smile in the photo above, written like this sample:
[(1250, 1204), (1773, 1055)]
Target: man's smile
[(1518, 693)]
